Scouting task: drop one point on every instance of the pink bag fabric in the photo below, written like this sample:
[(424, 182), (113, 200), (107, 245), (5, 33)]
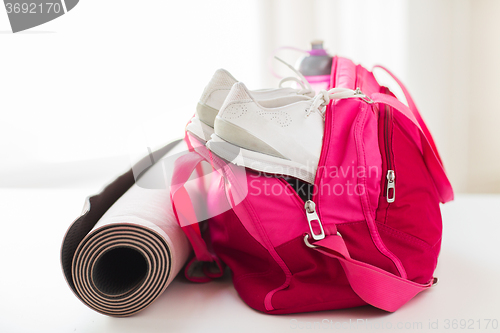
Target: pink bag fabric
[(359, 246)]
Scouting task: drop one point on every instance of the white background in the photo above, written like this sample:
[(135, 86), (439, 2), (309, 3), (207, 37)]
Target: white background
[(75, 91)]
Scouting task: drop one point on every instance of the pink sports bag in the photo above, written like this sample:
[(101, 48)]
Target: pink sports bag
[(370, 233)]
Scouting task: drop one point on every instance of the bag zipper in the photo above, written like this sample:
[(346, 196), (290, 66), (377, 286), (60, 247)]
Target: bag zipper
[(326, 142), (311, 206), (312, 216), (390, 185)]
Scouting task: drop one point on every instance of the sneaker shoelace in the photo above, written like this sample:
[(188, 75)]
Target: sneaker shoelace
[(321, 100)]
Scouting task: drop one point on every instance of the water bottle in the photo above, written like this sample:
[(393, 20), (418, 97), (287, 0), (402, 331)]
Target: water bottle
[(316, 66)]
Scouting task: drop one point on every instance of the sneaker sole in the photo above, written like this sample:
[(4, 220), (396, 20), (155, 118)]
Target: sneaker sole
[(206, 114), (258, 161)]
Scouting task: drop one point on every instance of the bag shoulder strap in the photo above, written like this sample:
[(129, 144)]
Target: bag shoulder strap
[(373, 285), (414, 110)]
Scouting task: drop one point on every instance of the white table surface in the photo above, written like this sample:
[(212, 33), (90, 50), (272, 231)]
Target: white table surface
[(34, 296)]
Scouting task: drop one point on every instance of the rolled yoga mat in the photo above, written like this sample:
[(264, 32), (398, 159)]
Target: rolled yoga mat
[(127, 247)]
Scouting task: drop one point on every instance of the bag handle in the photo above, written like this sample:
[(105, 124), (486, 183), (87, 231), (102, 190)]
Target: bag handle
[(186, 217), (373, 285), (414, 110), (429, 152)]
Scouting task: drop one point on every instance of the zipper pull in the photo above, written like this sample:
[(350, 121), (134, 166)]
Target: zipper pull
[(311, 214), (391, 176)]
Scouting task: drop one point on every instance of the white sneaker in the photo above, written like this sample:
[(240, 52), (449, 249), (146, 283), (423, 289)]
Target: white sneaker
[(284, 140), (215, 93)]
